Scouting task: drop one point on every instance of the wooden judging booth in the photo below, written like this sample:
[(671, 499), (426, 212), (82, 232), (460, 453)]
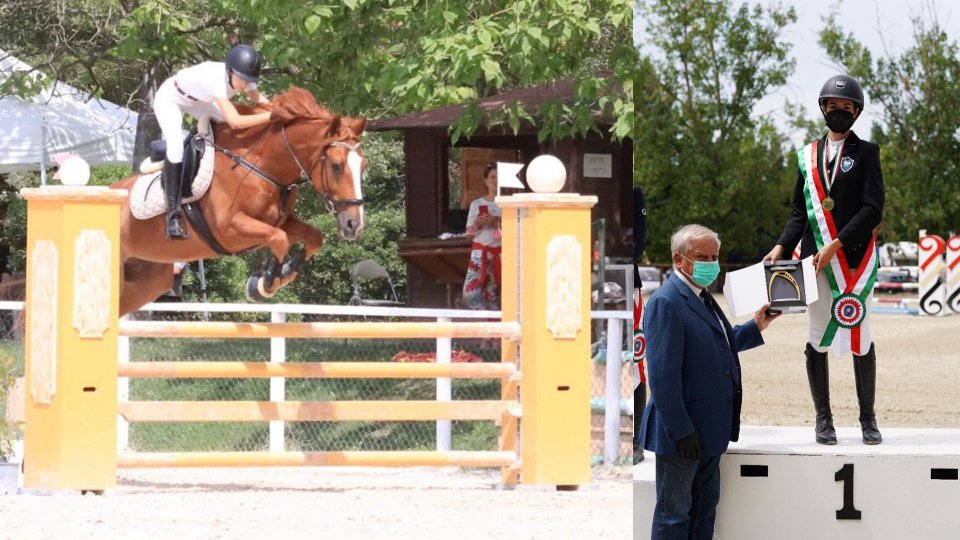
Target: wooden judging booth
[(443, 176)]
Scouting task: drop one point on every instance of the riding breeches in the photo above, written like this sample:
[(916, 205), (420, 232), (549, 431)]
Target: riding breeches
[(169, 108)]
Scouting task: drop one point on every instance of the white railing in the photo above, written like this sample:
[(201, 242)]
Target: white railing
[(615, 320)]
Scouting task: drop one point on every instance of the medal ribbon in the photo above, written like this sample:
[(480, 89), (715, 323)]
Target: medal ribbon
[(836, 164), (842, 280)]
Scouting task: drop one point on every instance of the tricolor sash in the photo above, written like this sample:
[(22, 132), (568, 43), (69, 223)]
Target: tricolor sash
[(850, 290), (639, 342)]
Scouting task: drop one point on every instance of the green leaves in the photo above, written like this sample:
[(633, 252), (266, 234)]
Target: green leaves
[(312, 22), (491, 71), (403, 59), (316, 17), (379, 57)]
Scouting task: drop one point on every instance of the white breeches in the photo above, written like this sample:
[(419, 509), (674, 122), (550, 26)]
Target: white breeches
[(169, 107)]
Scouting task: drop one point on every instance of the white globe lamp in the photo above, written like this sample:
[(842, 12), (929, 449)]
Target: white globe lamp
[(74, 171), (546, 174)]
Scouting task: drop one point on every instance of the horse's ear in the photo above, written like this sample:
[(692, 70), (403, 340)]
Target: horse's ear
[(334, 127), (357, 125)]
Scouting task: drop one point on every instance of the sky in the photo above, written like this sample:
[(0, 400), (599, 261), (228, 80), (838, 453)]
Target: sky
[(880, 25)]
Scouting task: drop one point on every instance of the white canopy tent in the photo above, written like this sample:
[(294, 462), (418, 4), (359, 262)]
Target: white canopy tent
[(60, 119)]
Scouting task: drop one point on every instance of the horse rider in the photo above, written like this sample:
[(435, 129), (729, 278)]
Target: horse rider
[(837, 203), (199, 90)]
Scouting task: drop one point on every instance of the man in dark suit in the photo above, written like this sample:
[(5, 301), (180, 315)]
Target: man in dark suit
[(837, 203), (694, 370), (639, 244)]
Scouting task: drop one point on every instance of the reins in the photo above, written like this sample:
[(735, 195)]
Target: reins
[(285, 189)]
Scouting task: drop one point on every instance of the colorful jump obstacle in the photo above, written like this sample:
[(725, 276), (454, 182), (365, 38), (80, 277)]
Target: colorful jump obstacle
[(939, 274), (73, 237)]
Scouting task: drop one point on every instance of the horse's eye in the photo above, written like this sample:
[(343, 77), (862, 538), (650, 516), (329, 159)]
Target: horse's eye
[(337, 168)]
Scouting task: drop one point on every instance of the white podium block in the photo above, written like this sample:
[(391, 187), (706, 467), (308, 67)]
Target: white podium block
[(776, 482)]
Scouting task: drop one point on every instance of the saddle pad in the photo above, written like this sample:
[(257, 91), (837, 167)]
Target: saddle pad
[(147, 199)]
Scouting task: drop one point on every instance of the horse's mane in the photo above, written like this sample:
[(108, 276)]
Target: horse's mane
[(297, 103), (294, 104)]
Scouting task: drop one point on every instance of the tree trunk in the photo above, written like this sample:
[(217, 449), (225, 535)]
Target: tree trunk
[(147, 127)]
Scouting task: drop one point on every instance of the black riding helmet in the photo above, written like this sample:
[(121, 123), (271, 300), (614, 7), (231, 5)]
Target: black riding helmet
[(842, 87), (246, 62)]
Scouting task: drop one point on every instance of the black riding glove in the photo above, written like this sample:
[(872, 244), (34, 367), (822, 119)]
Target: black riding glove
[(690, 447)]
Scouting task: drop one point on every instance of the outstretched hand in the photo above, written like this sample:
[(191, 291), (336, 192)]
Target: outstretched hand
[(763, 318)]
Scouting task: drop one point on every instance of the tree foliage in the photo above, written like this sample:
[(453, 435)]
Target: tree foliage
[(702, 155), (919, 126), (379, 57), (68, 40)]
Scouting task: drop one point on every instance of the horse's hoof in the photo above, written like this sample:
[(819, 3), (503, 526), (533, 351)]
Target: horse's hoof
[(262, 288), (256, 289), (253, 290)]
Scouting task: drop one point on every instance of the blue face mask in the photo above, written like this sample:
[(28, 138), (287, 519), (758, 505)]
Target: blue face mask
[(704, 273)]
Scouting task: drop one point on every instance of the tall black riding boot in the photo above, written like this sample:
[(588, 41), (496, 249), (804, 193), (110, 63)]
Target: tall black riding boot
[(865, 374), (819, 377), (172, 176), (639, 402)]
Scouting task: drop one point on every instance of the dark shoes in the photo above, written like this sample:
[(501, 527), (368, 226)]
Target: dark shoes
[(819, 377), (824, 430)]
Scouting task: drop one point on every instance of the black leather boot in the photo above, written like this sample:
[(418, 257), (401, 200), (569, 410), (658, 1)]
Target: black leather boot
[(639, 402), (865, 374), (172, 175), (819, 377)]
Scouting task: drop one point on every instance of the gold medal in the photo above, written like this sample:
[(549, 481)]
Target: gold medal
[(827, 204)]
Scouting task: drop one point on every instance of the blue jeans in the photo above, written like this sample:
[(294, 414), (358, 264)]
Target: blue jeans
[(688, 491)]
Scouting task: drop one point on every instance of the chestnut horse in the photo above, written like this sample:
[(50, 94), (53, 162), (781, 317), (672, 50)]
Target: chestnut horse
[(250, 202)]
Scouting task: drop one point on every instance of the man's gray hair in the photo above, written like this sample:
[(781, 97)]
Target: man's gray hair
[(682, 239)]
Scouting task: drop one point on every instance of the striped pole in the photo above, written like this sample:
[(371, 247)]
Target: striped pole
[(930, 262), (953, 274)]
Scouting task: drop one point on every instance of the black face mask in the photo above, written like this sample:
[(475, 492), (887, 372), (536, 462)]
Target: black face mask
[(839, 121)]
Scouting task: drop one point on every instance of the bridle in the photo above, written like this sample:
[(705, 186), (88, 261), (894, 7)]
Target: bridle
[(334, 206)]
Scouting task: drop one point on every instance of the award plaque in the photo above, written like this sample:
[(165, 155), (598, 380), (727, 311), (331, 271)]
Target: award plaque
[(785, 287)]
